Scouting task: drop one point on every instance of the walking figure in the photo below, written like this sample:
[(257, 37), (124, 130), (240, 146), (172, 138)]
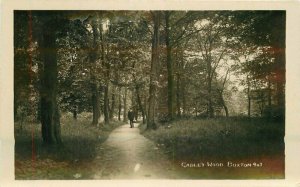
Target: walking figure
[(131, 117)]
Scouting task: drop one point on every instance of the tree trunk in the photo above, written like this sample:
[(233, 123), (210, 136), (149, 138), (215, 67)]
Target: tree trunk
[(184, 107), (95, 104), (113, 103), (107, 74), (106, 103), (169, 68), (140, 103), (49, 109), (145, 108), (93, 60), (210, 103), (224, 104), (249, 97), (125, 105), (120, 104), (151, 123), (178, 95)]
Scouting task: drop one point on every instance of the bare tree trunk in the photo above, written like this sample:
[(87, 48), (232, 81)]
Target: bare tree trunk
[(95, 104), (178, 95), (94, 86), (113, 103), (106, 103), (210, 104), (140, 103), (145, 108), (269, 108), (120, 104), (184, 108), (248, 96), (169, 68), (151, 123), (221, 94), (125, 105), (49, 110), (107, 74), (224, 105)]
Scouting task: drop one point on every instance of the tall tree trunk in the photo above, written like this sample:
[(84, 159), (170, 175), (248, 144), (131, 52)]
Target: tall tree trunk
[(169, 68), (178, 95), (210, 103), (269, 108), (224, 104), (145, 108), (183, 92), (209, 87), (269, 93), (107, 74), (120, 104), (49, 108), (279, 44), (221, 94), (140, 103), (125, 105), (248, 96), (106, 103), (113, 103), (95, 103), (94, 86), (151, 123)]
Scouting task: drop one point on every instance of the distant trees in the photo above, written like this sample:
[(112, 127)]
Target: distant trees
[(263, 36)]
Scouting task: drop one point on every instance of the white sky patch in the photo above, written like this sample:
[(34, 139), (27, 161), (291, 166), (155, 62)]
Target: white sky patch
[(105, 25), (89, 28), (201, 23), (137, 167)]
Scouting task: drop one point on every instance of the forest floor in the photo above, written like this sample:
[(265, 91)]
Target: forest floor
[(185, 149)]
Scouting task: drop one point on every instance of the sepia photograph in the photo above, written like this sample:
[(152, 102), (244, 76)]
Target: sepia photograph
[(149, 94)]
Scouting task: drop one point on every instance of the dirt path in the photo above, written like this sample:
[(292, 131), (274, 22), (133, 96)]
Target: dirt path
[(128, 155)]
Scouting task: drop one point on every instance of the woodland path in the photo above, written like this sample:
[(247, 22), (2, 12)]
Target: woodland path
[(126, 154)]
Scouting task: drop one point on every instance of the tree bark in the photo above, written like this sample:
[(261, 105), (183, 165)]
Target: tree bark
[(210, 103), (248, 96), (107, 75), (178, 95), (106, 103), (140, 103), (224, 104), (50, 119), (125, 105), (113, 103), (120, 104), (94, 84), (151, 121), (169, 68)]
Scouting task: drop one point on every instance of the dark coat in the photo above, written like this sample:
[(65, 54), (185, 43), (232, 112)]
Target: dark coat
[(130, 115)]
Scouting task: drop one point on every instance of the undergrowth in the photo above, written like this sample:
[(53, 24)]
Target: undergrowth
[(234, 138), (33, 160)]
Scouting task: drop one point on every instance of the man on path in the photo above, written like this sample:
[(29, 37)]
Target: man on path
[(131, 117)]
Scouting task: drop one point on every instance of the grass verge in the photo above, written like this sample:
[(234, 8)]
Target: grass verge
[(236, 140), (71, 160)]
